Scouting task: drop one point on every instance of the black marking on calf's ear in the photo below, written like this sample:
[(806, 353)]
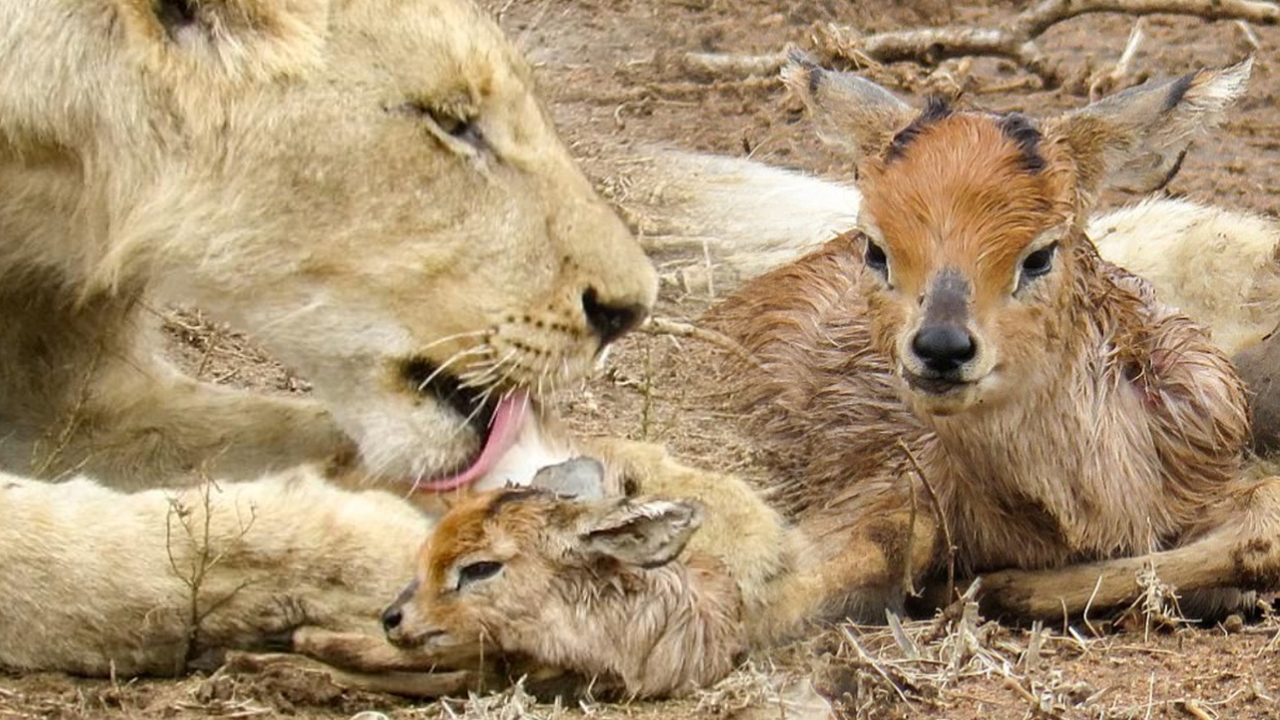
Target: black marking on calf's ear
[(1019, 128), (815, 77), (936, 108), (1173, 171), (1178, 90), (174, 15)]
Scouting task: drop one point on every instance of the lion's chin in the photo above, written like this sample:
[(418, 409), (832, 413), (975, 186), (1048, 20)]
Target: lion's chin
[(515, 448)]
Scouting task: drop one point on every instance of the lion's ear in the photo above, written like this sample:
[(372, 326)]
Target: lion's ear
[(233, 39)]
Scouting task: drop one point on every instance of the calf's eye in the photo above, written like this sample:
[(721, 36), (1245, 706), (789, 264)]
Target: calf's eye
[(477, 571), (1039, 262), (875, 257)]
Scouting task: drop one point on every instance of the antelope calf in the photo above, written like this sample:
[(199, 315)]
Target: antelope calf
[(962, 383), (590, 587)]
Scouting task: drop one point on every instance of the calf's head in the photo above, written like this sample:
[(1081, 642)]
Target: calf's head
[(527, 571), (972, 222)]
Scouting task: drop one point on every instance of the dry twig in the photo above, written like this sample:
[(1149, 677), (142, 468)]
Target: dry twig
[(938, 515), (717, 66), (1105, 83), (1016, 38), (197, 548), (663, 326)]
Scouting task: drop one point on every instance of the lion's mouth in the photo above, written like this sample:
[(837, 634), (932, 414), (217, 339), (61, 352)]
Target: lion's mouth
[(498, 422)]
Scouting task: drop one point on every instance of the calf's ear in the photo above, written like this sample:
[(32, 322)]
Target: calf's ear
[(849, 111), (1135, 140), (642, 533)]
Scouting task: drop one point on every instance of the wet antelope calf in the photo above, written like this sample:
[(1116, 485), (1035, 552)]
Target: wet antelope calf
[(603, 589), (962, 384)]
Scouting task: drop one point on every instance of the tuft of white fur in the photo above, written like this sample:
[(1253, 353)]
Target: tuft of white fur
[(731, 216), (1215, 265)]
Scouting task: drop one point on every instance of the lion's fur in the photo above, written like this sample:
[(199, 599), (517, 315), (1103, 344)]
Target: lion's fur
[(1219, 266), (714, 221), (97, 581), (285, 166)]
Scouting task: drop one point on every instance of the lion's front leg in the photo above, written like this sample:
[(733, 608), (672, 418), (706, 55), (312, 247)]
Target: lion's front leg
[(85, 390), (148, 429)]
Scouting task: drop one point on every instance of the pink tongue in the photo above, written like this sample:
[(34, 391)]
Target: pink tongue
[(508, 418)]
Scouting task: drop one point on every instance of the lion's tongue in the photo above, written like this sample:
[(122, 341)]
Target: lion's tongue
[(508, 418)]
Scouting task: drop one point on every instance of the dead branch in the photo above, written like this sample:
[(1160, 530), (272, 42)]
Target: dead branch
[(1105, 83), (1016, 39), (1033, 22), (662, 326), (715, 66)]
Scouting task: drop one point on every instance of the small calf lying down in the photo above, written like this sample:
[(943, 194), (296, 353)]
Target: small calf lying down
[(591, 587)]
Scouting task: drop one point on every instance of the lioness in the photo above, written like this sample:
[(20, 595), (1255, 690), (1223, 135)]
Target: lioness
[(373, 190)]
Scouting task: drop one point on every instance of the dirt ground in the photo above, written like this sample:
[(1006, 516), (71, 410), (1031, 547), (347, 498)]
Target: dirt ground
[(612, 72)]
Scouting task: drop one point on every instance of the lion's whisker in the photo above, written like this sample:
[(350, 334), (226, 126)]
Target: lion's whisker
[(455, 336), (451, 360)]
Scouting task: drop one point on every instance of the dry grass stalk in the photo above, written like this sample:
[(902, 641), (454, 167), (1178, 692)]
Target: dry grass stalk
[(938, 516), (922, 663), (675, 328), (1158, 604), (514, 703), (44, 461), (197, 556)]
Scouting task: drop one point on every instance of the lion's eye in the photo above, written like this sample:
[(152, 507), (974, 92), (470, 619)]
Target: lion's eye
[(477, 571), (464, 129), (875, 257)]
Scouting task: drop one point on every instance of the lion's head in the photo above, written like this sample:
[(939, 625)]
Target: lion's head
[(370, 187)]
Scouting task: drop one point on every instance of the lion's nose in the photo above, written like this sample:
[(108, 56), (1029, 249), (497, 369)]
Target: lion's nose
[(607, 320)]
